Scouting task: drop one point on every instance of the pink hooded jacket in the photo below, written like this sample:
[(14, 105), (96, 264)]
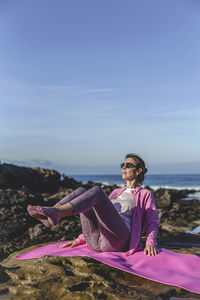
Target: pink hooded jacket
[(144, 215)]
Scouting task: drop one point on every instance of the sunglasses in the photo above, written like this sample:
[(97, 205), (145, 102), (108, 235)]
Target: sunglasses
[(128, 165)]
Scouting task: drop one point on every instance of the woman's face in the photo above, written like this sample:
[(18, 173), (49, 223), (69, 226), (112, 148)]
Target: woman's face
[(129, 173)]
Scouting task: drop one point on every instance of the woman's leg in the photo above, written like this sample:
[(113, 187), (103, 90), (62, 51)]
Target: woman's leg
[(102, 226), (90, 229), (71, 196), (52, 219)]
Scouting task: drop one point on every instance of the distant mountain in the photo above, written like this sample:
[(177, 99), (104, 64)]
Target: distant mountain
[(161, 168)]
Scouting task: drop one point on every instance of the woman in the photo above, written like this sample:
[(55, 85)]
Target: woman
[(113, 223)]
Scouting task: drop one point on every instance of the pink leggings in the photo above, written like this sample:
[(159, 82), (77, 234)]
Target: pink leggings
[(102, 226)]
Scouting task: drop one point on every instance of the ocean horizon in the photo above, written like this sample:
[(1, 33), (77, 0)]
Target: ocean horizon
[(177, 181), (155, 181)]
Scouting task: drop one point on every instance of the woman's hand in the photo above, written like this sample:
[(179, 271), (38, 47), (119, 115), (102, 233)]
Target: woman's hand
[(151, 251), (70, 244)]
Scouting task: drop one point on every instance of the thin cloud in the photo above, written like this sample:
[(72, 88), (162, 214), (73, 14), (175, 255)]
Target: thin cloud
[(30, 132), (79, 89), (17, 85), (101, 90), (57, 87), (174, 113)]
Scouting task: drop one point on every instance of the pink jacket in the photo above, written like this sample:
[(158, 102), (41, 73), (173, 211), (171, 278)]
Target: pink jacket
[(144, 215)]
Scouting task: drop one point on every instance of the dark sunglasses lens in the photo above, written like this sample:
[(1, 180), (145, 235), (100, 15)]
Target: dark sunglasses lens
[(129, 165)]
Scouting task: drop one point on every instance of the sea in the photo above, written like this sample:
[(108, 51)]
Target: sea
[(155, 181)]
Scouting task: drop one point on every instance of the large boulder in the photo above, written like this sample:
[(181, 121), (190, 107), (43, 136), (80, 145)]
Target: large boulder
[(19, 229), (166, 197), (37, 179), (163, 198)]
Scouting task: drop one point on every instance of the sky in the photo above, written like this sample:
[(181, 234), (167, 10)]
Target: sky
[(82, 83)]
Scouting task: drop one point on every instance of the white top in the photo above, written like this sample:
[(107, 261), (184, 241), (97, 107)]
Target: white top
[(124, 204)]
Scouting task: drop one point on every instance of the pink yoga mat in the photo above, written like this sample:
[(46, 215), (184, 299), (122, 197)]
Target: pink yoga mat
[(182, 270)]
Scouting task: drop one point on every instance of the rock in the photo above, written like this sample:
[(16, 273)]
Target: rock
[(80, 278), (166, 197), (163, 198), (37, 179), (181, 216), (35, 231), (19, 229), (69, 182)]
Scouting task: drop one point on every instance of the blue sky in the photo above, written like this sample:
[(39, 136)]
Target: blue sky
[(82, 83)]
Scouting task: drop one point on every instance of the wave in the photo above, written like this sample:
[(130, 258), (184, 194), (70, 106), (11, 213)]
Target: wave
[(196, 230), (196, 195), (105, 183), (156, 187)]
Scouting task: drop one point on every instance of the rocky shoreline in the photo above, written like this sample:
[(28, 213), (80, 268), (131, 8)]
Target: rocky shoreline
[(20, 186)]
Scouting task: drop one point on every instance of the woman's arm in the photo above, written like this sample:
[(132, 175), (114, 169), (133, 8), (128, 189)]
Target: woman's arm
[(152, 226), (78, 241), (151, 221)]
